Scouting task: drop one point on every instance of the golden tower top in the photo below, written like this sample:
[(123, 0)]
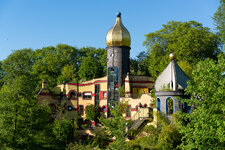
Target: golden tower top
[(118, 35), (172, 56)]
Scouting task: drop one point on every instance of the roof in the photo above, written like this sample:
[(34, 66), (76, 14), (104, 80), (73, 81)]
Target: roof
[(118, 35), (171, 79)]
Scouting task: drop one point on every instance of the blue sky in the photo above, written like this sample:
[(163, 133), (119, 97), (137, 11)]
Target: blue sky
[(40, 23)]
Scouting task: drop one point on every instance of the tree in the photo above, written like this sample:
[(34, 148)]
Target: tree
[(90, 69), (206, 126), (190, 41), (139, 66), (1, 75), (51, 63), (219, 19), (21, 119), (92, 113), (68, 74), (64, 130), (19, 63), (116, 126)]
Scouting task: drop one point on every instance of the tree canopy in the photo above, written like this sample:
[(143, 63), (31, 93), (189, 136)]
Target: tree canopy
[(219, 19), (190, 41), (206, 124), (23, 123)]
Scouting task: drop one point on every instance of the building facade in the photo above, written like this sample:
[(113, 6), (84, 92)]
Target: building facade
[(104, 92)]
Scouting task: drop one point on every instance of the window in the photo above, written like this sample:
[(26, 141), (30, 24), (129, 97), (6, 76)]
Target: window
[(104, 95), (104, 108), (87, 95), (70, 108), (158, 104), (169, 106), (73, 95)]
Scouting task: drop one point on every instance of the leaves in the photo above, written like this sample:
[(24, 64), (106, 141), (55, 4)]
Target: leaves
[(190, 41), (206, 125), (219, 19)]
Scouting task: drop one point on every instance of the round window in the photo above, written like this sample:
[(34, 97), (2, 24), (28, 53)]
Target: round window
[(70, 108)]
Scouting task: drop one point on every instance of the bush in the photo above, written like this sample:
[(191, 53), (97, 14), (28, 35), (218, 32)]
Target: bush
[(64, 130), (92, 113), (169, 137), (79, 146)]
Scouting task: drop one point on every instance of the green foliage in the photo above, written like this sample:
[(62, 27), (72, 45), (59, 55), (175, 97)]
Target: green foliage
[(24, 124), (89, 69), (166, 88), (64, 130), (101, 138), (20, 117), (92, 63), (139, 66), (169, 137), (92, 113), (219, 19), (145, 142), (68, 74), (205, 127), (51, 62), (122, 91), (116, 126), (190, 41), (1, 75), (18, 63), (78, 146)]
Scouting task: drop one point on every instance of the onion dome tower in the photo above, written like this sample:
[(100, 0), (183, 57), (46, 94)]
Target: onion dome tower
[(118, 49), (118, 60)]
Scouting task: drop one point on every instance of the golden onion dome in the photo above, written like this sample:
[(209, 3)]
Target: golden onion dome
[(118, 35)]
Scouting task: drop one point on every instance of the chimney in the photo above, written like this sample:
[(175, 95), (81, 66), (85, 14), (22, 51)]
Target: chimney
[(44, 85)]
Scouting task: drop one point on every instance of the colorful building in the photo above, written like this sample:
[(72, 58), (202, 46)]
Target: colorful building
[(105, 91)]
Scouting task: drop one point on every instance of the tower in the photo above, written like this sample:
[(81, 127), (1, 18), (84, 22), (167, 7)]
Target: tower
[(118, 59), (169, 87), (118, 49)]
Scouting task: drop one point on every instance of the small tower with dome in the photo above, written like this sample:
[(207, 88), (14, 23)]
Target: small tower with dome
[(169, 87)]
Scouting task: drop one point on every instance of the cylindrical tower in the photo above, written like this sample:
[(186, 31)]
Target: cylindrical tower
[(118, 49)]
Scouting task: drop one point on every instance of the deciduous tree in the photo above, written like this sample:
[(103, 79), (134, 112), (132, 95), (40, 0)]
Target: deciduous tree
[(219, 19), (206, 124), (190, 41)]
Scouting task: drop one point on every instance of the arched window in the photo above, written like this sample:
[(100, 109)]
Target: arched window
[(73, 95), (158, 104), (169, 106)]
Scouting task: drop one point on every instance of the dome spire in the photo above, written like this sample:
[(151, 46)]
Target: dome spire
[(118, 35), (119, 14)]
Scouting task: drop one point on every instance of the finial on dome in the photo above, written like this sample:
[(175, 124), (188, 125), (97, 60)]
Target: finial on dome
[(172, 56), (119, 14)]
